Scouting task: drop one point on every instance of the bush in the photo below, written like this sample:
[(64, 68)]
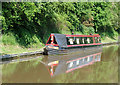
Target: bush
[(9, 39)]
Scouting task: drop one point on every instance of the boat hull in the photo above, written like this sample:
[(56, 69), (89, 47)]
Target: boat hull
[(68, 50)]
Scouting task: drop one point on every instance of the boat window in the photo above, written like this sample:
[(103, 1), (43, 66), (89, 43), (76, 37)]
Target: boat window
[(68, 43), (49, 42), (99, 39), (85, 40), (81, 40), (71, 40), (91, 39), (54, 41), (78, 40), (96, 39), (88, 40), (74, 41)]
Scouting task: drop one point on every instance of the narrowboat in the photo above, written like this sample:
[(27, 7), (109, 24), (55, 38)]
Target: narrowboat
[(60, 43)]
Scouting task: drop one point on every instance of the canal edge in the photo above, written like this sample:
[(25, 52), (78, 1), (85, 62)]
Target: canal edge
[(40, 52)]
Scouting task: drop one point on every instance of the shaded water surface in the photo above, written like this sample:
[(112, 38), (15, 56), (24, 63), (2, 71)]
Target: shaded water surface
[(90, 65)]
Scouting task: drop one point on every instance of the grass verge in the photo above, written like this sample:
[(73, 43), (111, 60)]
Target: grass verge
[(14, 49), (108, 39), (10, 46)]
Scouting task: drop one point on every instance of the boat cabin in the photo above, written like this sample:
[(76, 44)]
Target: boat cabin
[(61, 40)]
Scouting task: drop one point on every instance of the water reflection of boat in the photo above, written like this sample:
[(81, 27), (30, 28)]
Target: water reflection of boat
[(58, 64), (58, 43)]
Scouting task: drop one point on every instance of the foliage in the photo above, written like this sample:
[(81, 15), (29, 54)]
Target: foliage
[(9, 39), (32, 23)]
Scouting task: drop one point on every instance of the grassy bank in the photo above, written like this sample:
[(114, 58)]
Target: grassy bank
[(108, 39), (14, 49), (10, 45)]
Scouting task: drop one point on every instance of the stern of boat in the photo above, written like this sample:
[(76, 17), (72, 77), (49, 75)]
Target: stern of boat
[(49, 48)]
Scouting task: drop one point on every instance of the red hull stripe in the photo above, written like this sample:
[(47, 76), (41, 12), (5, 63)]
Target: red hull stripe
[(76, 45), (84, 45)]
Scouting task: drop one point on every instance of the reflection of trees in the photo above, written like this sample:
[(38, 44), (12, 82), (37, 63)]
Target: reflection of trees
[(108, 66), (119, 59), (9, 69), (110, 52), (20, 69)]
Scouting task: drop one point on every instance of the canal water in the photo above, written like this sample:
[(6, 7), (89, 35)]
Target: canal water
[(90, 65)]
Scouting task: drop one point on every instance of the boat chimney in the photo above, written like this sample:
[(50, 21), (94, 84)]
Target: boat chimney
[(72, 32)]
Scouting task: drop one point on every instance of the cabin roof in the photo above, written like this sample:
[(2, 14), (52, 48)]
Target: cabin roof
[(60, 39), (94, 35)]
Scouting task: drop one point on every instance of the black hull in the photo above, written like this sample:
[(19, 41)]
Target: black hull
[(69, 50)]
